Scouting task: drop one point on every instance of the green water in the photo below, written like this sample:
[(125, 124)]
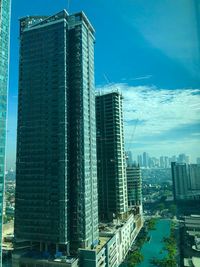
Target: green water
[(155, 245)]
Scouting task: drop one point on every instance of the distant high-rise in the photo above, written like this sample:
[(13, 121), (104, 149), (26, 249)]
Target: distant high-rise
[(134, 185), (166, 162), (194, 176), (56, 174), (180, 180), (198, 160), (4, 58), (162, 162), (111, 165), (139, 160), (145, 159), (186, 181), (129, 157), (182, 158)]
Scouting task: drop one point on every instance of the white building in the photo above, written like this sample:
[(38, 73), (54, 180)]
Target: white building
[(115, 241)]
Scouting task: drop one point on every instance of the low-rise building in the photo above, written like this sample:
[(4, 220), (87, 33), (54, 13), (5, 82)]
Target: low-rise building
[(116, 239), (190, 240)]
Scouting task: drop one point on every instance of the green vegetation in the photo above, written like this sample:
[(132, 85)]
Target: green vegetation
[(7, 218), (140, 241), (134, 258), (160, 207), (151, 224)]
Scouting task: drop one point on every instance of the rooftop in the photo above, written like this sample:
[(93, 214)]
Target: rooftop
[(103, 241), (34, 21)]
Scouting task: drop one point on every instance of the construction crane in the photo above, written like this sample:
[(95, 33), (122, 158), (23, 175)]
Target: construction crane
[(68, 5), (133, 133), (136, 122)]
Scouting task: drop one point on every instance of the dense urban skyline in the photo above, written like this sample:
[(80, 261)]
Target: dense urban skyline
[(156, 72), (58, 175), (82, 176)]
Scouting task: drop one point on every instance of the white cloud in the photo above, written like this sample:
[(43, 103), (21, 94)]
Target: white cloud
[(158, 111)]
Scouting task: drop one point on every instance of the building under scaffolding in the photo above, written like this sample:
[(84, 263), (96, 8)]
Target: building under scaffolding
[(111, 163)]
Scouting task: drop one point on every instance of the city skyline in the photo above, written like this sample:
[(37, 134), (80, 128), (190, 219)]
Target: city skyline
[(159, 82), (92, 83), (56, 218)]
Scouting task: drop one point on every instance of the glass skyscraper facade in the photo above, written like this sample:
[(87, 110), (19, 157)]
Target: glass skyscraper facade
[(4, 57), (56, 173), (111, 163)]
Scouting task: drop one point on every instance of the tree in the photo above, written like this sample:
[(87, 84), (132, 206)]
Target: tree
[(173, 209), (135, 258)]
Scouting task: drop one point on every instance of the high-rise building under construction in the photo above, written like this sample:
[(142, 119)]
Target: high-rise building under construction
[(56, 174), (111, 161)]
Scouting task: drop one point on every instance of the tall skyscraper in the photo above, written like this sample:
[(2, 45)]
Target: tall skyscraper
[(162, 163), (194, 176), (139, 160), (180, 180), (198, 160), (186, 181), (145, 159), (166, 162), (134, 185), (111, 165), (182, 158), (56, 174), (4, 58)]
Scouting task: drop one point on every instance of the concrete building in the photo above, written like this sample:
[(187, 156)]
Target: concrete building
[(139, 160), (145, 160), (162, 162), (198, 160), (180, 180), (4, 60), (41, 260), (194, 176), (56, 173), (111, 163), (185, 180), (134, 185), (183, 158), (116, 240), (190, 241)]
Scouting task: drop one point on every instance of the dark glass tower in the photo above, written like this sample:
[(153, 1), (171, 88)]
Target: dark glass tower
[(4, 58), (56, 177), (111, 163), (180, 180)]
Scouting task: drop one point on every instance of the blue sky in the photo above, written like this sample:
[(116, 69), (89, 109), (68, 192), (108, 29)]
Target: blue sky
[(150, 50)]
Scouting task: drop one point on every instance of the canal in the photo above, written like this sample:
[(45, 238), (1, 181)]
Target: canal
[(154, 248)]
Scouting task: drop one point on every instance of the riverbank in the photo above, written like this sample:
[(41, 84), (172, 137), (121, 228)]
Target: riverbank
[(170, 247), (152, 245)]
